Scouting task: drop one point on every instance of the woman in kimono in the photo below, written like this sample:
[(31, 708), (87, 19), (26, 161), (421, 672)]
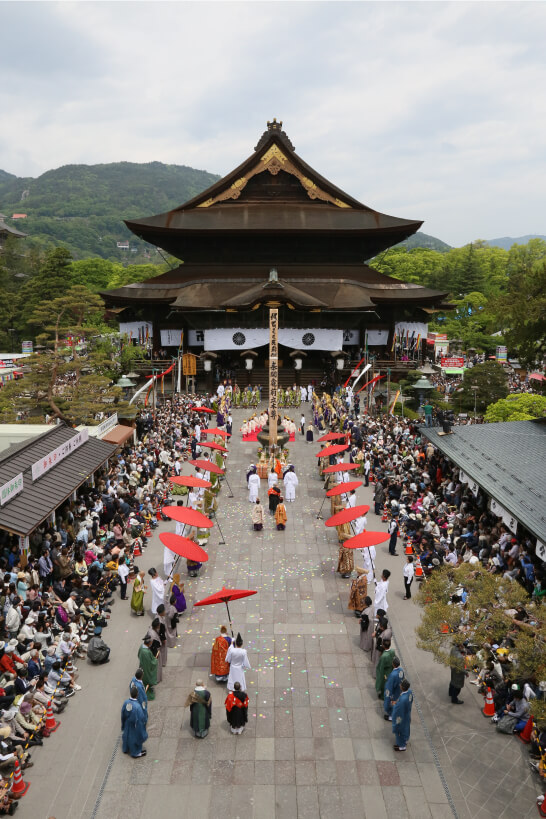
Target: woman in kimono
[(366, 625), (384, 668), (159, 645), (401, 717), (177, 592), (137, 597), (218, 665), (237, 709), (381, 632), (158, 589), (357, 595), (238, 664), (169, 621), (200, 704), (309, 435), (346, 560)]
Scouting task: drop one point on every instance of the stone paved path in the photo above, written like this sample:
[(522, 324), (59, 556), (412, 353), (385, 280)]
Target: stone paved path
[(316, 744)]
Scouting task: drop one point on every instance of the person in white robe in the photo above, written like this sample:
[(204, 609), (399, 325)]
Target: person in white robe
[(158, 590), (272, 479), (368, 562), (238, 664), (193, 498), (169, 558), (350, 499), (303, 393), (253, 487), (197, 433), (360, 524), (290, 483), (381, 589)]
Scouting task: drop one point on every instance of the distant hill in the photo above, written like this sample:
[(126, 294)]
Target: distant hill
[(83, 206), (506, 242), (420, 239)]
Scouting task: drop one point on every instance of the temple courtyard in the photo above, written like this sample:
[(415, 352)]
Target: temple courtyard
[(316, 744)]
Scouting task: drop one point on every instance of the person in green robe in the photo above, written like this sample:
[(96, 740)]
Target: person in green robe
[(384, 668), (200, 705), (148, 664)]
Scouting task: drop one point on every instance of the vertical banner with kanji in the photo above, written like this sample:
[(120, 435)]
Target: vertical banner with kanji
[(273, 374)]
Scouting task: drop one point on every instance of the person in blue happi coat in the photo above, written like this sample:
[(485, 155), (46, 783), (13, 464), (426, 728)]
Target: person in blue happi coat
[(141, 691), (401, 716), (392, 688), (133, 726)]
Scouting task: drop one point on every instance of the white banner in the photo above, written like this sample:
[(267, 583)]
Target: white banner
[(497, 509), (54, 457), (196, 338), (106, 426), (311, 339), (240, 338), (11, 488), (510, 522), (237, 338), (540, 550), (376, 338), (171, 338), (351, 337), (415, 327), (136, 330), (463, 477)]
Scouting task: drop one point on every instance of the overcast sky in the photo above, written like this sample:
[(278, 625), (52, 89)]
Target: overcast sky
[(433, 111)]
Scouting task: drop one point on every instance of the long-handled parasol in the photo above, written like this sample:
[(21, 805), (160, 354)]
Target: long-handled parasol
[(190, 480), (204, 409), (214, 445), (365, 540), (182, 547), (338, 489), (216, 431), (335, 449), (343, 467), (184, 514), (209, 466), (347, 515), (225, 596), (332, 436)]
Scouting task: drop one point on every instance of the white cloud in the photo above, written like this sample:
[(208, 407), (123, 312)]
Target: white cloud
[(425, 110)]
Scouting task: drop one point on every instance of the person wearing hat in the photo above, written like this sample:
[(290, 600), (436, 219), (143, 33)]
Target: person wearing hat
[(98, 652), (237, 658), (133, 726)]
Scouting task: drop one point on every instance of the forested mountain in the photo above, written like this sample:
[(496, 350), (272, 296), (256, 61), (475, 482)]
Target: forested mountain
[(423, 240), (83, 206), (506, 242)]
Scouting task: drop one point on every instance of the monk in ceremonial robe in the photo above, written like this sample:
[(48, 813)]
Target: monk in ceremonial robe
[(237, 709), (133, 726), (137, 683), (200, 705), (218, 664)]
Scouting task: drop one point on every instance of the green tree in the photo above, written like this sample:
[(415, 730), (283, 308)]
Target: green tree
[(491, 382), (470, 277), (486, 618), (517, 407), (52, 280), (94, 274), (71, 385)]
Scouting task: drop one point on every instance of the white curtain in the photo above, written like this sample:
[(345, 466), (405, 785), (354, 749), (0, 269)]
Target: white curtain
[(376, 338), (242, 338), (237, 338), (313, 339)]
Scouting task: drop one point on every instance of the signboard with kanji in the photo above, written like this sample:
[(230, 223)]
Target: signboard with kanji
[(13, 487), (54, 457), (189, 366), (273, 374), (452, 363)]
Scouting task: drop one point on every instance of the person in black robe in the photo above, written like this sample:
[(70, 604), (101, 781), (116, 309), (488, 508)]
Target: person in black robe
[(274, 498), (237, 709)]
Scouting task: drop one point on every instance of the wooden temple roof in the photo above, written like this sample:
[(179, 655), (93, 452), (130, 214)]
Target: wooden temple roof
[(273, 198)]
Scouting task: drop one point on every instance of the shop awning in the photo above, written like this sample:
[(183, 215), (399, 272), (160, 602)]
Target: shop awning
[(39, 498), (454, 370), (118, 435)]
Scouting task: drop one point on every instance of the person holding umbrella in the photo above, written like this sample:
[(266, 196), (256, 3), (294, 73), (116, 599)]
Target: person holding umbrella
[(238, 664)]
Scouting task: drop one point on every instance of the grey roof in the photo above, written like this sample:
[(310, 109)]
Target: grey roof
[(508, 461), (27, 510)]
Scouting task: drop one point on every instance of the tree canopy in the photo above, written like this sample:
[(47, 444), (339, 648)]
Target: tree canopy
[(517, 407), (491, 382)]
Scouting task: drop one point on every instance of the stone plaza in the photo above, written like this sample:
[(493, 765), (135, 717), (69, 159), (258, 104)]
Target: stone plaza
[(316, 744)]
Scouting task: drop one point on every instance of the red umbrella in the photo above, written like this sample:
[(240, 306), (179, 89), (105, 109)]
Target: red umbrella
[(345, 516), (225, 596), (213, 445), (332, 450), (191, 480), (215, 431), (332, 436), (339, 467), (208, 466), (184, 547), (204, 409), (365, 540), (184, 514), (342, 488)]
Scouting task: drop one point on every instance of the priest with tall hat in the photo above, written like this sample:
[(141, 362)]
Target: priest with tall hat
[(238, 664)]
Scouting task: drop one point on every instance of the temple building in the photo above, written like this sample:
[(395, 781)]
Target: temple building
[(274, 232)]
